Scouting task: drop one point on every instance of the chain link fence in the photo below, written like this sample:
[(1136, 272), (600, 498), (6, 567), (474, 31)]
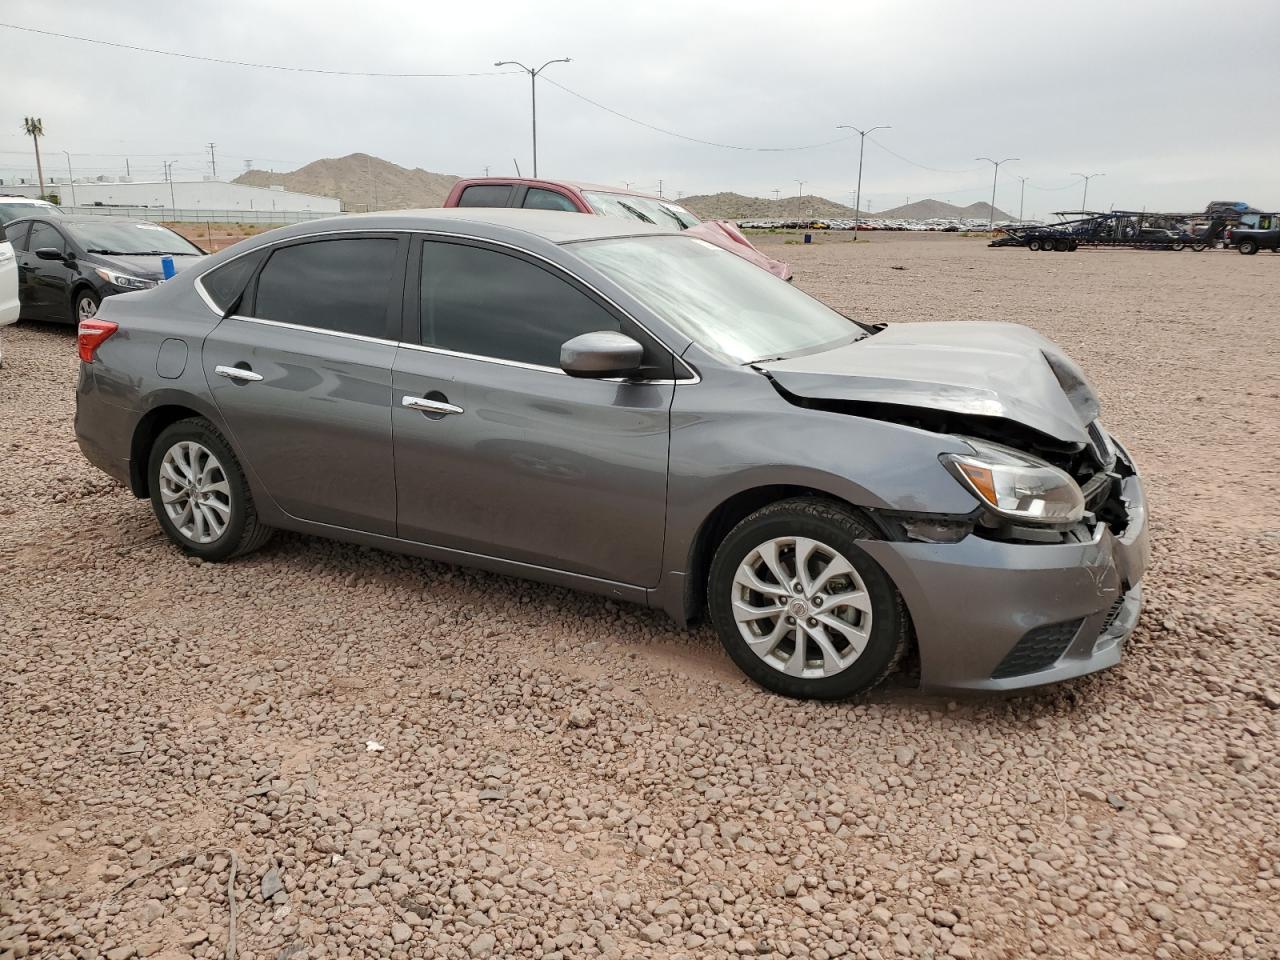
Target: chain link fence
[(266, 218)]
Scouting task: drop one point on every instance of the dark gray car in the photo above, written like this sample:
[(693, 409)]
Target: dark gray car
[(602, 405)]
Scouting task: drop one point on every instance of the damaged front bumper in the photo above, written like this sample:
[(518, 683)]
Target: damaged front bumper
[(992, 615)]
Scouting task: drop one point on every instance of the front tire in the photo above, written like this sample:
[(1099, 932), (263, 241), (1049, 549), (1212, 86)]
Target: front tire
[(200, 495), (1248, 247), (84, 305), (800, 607)]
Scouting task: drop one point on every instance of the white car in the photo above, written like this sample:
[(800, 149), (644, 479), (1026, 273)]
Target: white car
[(8, 289), (11, 208)]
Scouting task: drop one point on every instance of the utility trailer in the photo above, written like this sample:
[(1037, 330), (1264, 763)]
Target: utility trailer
[(1117, 228)]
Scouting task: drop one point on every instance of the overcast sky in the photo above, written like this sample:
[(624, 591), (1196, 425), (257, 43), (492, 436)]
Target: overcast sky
[(1175, 102)]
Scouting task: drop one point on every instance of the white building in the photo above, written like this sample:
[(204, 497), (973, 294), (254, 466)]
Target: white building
[(178, 195)]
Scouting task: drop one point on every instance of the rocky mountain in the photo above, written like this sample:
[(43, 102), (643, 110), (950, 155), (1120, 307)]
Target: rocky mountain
[(736, 206), (361, 182), (940, 210)]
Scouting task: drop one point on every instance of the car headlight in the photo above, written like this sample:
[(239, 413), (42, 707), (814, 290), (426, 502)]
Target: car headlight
[(1016, 485), (123, 279)]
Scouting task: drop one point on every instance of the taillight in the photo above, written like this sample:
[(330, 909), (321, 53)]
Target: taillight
[(93, 334)]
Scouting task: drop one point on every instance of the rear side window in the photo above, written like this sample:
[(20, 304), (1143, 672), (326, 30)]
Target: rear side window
[(16, 233), (485, 195), (225, 284), (42, 235), (539, 199), (340, 285), (489, 304)]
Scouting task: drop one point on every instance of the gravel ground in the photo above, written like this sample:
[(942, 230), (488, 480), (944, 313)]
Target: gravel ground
[(357, 754)]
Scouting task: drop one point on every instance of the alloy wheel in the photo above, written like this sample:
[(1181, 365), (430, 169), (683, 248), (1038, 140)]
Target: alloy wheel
[(195, 491), (85, 309), (801, 607)]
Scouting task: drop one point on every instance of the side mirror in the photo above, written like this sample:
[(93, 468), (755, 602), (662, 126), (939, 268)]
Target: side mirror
[(49, 253), (605, 353)]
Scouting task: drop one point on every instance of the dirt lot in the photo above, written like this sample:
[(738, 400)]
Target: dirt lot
[(564, 777)]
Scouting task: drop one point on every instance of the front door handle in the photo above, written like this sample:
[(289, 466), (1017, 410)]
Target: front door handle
[(429, 406), (238, 373)]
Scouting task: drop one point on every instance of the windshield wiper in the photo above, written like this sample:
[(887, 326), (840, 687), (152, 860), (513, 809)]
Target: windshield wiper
[(157, 253), (635, 213), (109, 253)]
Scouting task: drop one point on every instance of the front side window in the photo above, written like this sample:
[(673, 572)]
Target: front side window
[(341, 285), (539, 199), (43, 235), (16, 234), (490, 304), (485, 195), (718, 300)]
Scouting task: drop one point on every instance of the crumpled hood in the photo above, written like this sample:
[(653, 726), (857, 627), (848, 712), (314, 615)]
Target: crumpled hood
[(985, 369)]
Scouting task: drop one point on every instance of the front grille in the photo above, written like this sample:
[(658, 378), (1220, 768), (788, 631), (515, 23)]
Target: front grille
[(1038, 650)]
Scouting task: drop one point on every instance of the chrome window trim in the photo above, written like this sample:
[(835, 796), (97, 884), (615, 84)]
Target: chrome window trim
[(199, 285)]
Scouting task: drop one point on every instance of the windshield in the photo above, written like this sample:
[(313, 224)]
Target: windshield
[(718, 300), (663, 213), (131, 237), (13, 209)]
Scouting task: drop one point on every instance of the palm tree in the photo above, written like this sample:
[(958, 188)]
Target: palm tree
[(33, 127)]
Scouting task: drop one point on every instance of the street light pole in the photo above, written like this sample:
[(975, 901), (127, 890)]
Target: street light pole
[(1084, 201), (800, 198), (991, 211), (1022, 195), (862, 142), (533, 96), (71, 180), (168, 171)]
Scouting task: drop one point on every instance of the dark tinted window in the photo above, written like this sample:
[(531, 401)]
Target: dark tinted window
[(485, 195), (342, 285), (16, 233), (490, 304), (225, 284), (43, 235), (538, 199)]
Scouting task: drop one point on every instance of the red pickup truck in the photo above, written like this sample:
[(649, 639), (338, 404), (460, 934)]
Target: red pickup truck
[(607, 202)]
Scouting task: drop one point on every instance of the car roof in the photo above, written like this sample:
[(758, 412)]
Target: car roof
[(40, 203), (574, 184), (65, 221), (553, 225)]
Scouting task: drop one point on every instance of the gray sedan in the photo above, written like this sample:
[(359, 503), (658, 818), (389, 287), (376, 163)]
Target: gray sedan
[(636, 413)]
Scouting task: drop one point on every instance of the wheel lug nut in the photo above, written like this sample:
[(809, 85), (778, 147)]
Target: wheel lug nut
[(813, 622), (791, 620), (796, 587), (816, 601)]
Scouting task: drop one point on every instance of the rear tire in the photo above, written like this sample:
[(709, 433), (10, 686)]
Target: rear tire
[(200, 495), (1033, 245), (1061, 245), (841, 634), (1248, 247)]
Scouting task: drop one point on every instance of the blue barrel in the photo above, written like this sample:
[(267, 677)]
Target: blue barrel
[(808, 238), (166, 266)]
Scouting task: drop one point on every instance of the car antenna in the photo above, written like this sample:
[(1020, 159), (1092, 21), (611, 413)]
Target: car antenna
[(517, 163)]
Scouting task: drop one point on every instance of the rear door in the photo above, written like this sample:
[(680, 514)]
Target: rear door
[(9, 303), (523, 462), (302, 376)]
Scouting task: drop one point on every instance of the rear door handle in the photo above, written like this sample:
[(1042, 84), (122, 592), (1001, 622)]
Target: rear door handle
[(429, 406), (238, 373)]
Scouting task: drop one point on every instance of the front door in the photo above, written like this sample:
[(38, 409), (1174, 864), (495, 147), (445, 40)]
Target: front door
[(302, 377), (498, 452), (47, 282)]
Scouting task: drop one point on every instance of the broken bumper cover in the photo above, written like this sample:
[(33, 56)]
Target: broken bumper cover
[(1003, 616)]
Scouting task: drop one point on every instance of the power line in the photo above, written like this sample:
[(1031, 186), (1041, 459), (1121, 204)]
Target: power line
[(244, 63), (1073, 183), (681, 136), (922, 166)]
